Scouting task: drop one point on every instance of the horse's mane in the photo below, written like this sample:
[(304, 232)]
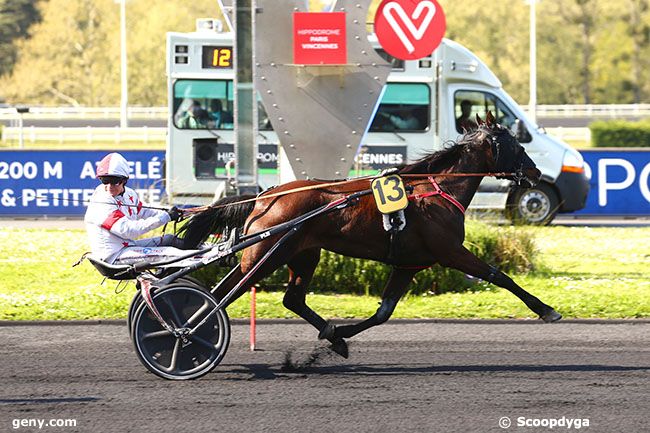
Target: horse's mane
[(438, 160)]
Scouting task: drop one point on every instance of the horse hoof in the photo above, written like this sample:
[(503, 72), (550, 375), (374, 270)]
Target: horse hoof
[(340, 347), (551, 316), (327, 333)]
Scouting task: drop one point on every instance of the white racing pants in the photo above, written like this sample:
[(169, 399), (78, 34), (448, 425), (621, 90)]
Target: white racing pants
[(151, 250)]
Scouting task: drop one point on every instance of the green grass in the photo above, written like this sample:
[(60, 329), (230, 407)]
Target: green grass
[(585, 272)]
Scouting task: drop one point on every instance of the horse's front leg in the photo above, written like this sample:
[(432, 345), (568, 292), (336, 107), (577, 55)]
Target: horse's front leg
[(395, 287), (463, 260)]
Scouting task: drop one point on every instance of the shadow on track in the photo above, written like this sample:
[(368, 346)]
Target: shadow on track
[(48, 400), (261, 371)]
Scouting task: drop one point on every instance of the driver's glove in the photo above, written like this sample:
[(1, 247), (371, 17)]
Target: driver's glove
[(175, 214)]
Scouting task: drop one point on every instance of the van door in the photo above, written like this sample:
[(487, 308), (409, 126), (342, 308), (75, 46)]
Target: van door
[(467, 103)]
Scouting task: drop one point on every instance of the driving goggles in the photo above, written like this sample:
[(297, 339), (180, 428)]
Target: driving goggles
[(112, 180)]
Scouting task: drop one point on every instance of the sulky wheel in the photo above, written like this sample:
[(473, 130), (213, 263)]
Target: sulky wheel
[(182, 306), (133, 306), (137, 298)]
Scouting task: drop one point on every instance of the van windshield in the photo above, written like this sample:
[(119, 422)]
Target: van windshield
[(403, 107), (209, 104), (203, 104)]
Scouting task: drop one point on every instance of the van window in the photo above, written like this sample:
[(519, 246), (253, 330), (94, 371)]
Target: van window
[(469, 103), (208, 104), (263, 121), (395, 63), (404, 107), (203, 104)]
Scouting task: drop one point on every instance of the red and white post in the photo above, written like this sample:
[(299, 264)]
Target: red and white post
[(252, 324)]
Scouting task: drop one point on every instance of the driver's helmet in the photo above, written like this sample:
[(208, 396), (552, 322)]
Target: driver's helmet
[(114, 165)]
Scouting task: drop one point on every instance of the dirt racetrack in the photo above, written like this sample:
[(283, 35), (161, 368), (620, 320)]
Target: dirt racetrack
[(406, 376)]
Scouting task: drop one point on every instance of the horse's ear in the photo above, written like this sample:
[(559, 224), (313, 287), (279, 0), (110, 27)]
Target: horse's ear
[(490, 120), (479, 121)]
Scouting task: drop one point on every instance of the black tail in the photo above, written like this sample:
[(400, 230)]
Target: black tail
[(215, 219)]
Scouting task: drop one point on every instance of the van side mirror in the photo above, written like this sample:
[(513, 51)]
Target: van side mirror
[(521, 132)]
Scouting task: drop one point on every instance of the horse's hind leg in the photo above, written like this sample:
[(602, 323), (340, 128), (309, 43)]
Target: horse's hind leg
[(250, 271), (395, 287), (301, 270), (465, 261)]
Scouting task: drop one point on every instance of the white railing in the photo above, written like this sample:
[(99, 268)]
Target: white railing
[(117, 135), (573, 110), (593, 110), (9, 113), (61, 135)]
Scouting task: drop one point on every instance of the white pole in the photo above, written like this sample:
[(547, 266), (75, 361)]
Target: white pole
[(21, 137), (124, 100), (532, 103)]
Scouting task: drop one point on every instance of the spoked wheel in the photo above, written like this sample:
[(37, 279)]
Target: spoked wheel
[(133, 306), (537, 205), (186, 356), (137, 298)]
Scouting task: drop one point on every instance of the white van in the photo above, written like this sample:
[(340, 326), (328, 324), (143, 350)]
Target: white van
[(417, 114), (429, 96)]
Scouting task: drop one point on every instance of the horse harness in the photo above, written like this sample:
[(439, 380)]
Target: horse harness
[(438, 191), (394, 221)]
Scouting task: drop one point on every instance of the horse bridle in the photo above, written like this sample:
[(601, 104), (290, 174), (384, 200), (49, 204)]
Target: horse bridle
[(500, 161)]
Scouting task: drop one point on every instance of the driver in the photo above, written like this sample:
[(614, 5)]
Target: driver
[(116, 217)]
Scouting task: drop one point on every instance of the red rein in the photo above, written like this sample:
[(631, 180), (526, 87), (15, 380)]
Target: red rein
[(440, 192)]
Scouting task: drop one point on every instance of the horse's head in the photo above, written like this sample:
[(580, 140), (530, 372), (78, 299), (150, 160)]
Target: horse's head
[(508, 155)]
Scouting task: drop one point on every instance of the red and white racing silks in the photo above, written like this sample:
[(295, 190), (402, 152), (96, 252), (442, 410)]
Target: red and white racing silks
[(113, 223)]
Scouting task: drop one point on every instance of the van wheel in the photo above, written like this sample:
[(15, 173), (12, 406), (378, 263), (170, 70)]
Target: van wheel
[(537, 205)]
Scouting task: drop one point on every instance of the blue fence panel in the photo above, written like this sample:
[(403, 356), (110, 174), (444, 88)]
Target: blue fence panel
[(619, 182), (59, 183)]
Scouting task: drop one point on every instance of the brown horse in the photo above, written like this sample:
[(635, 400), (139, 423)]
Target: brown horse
[(434, 230)]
